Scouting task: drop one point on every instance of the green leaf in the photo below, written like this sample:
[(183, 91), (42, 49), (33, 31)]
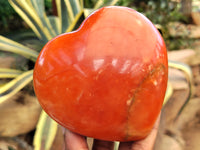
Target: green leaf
[(15, 85), (81, 4), (45, 132), (9, 73), (26, 10), (55, 23), (188, 73), (99, 3), (39, 7), (12, 46), (113, 2), (63, 16), (87, 12), (69, 11), (76, 6), (40, 11), (73, 24)]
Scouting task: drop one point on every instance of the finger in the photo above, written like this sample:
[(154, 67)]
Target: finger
[(145, 144), (102, 145), (74, 141)]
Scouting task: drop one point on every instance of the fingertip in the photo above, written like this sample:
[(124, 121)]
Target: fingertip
[(144, 144), (74, 141)]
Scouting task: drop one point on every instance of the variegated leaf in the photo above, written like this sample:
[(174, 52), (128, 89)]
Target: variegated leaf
[(98, 4), (87, 12), (63, 15), (116, 145), (30, 16), (45, 132), (39, 7), (69, 12), (9, 73), (55, 23), (101, 3), (12, 87), (74, 22), (188, 73), (168, 93), (15, 47)]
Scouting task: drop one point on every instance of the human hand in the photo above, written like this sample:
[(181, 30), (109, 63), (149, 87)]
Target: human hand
[(75, 141)]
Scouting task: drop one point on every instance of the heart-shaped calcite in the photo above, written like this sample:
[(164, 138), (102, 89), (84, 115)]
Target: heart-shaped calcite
[(106, 80)]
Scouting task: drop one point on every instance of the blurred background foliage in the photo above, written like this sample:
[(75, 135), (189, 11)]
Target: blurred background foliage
[(160, 12), (7, 16)]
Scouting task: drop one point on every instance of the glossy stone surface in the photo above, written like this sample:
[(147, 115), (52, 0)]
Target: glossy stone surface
[(106, 80)]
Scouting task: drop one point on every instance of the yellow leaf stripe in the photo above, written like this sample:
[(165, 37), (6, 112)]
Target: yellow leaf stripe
[(168, 93), (101, 3), (45, 132), (12, 46), (9, 73), (113, 2), (70, 11), (38, 6), (72, 25), (12, 87), (98, 4), (81, 4), (87, 12), (29, 14)]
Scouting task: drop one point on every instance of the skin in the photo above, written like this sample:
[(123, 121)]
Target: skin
[(75, 141)]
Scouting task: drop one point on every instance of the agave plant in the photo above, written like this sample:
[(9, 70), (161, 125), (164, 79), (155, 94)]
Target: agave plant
[(69, 13), (45, 28)]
